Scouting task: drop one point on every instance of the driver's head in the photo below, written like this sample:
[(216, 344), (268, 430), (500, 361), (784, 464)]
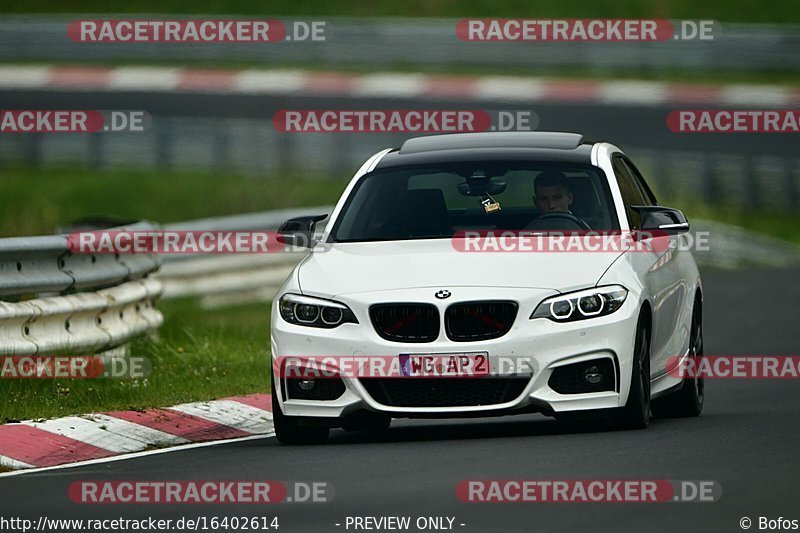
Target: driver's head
[(551, 192)]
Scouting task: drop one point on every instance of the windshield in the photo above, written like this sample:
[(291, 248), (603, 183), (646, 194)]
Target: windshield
[(436, 201)]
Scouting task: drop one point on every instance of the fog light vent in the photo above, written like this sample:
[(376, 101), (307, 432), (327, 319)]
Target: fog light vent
[(314, 389), (597, 375)]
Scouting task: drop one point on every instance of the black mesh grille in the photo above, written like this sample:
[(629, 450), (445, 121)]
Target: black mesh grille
[(443, 392), (405, 322), (476, 321), (569, 379)]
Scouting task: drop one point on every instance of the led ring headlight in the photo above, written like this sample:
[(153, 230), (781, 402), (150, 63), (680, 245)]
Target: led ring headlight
[(561, 315), (300, 309), (580, 305), (584, 312), (334, 315), (314, 312)]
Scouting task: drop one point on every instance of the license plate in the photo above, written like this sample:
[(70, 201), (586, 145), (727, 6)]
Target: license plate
[(474, 364)]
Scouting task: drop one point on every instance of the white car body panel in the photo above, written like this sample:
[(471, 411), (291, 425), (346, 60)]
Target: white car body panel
[(360, 274), (435, 263)]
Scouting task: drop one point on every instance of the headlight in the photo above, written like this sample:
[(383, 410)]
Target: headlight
[(314, 312), (580, 305)]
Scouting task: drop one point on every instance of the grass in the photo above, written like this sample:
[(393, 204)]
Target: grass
[(34, 202), (199, 355), (777, 11), (782, 226)]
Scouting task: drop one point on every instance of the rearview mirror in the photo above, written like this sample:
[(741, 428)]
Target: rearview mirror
[(299, 231), (473, 187), (663, 220)]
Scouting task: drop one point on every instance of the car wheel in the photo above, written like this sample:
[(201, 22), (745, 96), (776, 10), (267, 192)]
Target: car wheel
[(636, 413), (366, 421), (289, 429), (688, 401)]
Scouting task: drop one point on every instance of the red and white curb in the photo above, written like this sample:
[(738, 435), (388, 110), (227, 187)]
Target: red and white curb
[(390, 85), (46, 443)]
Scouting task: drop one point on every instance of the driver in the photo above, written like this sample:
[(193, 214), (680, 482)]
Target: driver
[(552, 194)]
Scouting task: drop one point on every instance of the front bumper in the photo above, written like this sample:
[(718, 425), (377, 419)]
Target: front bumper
[(532, 349)]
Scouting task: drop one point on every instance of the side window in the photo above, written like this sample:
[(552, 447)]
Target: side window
[(631, 194), (649, 197)]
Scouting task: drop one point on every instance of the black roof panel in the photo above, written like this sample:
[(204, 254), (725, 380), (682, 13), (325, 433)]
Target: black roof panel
[(515, 139), (475, 147)]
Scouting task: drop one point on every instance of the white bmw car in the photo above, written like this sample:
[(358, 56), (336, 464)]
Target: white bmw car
[(477, 328)]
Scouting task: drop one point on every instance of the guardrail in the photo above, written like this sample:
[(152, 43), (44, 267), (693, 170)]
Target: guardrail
[(224, 279), (55, 301), (59, 302)]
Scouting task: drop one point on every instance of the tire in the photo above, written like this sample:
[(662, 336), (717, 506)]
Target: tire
[(367, 421), (289, 429), (688, 401), (636, 413)]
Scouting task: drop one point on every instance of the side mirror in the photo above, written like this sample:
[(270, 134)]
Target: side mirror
[(299, 231), (662, 220)]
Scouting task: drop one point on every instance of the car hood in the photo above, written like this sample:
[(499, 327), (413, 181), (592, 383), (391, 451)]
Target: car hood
[(346, 268)]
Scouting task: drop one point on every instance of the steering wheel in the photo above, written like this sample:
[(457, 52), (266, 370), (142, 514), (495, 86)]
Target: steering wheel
[(565, 216)]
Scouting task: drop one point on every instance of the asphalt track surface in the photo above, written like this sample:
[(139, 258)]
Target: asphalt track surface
[(641, 126), (746, 440)]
